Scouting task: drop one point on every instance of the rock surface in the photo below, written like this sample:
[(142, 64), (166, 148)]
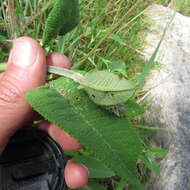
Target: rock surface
[(169, 100)]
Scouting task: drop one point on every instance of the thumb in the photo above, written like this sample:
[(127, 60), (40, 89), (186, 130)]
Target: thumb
[(26, 70)]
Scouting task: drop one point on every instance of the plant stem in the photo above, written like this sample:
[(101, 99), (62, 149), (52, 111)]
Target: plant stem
[(3, 67), (12, 19), (77, 77), (134, 7)]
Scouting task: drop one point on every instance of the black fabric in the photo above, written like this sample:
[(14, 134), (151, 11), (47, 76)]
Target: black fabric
[(32, 161)]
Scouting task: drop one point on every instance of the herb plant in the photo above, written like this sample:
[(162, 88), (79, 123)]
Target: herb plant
[(96, 108)]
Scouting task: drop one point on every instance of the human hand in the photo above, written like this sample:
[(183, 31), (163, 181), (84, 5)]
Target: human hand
[(27, 69)]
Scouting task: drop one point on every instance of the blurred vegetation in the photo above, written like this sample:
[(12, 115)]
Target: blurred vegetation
[(98, 17)]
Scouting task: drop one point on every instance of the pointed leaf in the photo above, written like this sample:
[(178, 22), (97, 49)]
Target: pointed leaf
[(96, 168), (156, 152), (132, 109), (110, 139), (151, 164), (73, 17)]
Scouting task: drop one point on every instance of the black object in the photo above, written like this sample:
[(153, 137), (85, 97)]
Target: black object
[(32, 161)]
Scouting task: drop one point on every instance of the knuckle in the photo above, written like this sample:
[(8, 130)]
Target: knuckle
[(9, 93)]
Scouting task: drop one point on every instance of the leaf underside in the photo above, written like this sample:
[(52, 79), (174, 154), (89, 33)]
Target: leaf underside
[(112, 140), (107, 81), (104, 98)]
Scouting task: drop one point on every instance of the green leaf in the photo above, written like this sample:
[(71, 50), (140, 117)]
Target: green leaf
[(156, 152), (104, 98), (128, 109), (73, 17), (112, 140), (63, 18), (93, 186), (151, 164), (117, 65), (107, 81), (132, 109), (100, 85), (121, 185), (97, 168), (118, 109), (140, 79), (151, 128), (2, 38), (117, 38)]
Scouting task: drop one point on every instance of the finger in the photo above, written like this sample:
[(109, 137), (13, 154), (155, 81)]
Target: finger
[(26, 70), (36, 117), (67, 142), (76, 175), (59, 60), (1, 76)]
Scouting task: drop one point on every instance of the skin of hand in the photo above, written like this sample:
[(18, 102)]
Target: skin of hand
[(27, 69)]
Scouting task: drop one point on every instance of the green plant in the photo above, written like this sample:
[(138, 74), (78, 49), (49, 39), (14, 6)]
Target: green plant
[(113, 146), (107, 138)]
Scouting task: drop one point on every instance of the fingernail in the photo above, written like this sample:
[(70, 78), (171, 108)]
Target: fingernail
[(86, 169), (73, 161), (23, 53)]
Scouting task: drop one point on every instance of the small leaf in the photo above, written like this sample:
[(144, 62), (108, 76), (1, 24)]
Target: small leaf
[(151, 164), (107, 81), (132, 109), (63, 18), (156, 152), (97, 168), (117, 65), (117, 38), (73, 17), (121, 185), (93, 186), (2, 38), (128, 108), (104, 98)]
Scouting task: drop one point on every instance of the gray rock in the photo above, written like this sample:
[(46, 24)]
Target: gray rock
[(169, 100)]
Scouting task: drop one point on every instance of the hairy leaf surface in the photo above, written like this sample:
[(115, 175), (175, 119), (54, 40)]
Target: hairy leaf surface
[(63, 18), (104, 98), (107, 81), (96, 168), (112, 140)]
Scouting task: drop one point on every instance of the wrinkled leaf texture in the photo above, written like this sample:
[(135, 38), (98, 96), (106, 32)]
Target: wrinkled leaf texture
[(107, 81), (112, 140), (63, 17), (104, 98), (103, 87), (96, 168)]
